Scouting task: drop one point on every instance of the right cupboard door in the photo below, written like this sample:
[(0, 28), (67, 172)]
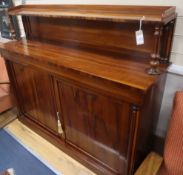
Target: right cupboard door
[(96, 124)]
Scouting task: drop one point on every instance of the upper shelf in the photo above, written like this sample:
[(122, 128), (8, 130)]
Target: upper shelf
[(159, 14)]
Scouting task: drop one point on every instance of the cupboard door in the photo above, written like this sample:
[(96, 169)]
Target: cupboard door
[(36, 96), (96, 124)]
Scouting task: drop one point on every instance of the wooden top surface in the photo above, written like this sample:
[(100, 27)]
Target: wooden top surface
[(161, 14), (119, 69)]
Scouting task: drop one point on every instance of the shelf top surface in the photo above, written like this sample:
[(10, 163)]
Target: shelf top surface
[(115, 13), (119, 69)]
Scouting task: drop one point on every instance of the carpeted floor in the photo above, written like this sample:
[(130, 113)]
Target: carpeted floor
[(14, 155)]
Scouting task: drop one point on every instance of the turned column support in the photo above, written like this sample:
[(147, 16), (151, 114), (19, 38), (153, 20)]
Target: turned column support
[(155, 56), (167, 41), (135, 117)]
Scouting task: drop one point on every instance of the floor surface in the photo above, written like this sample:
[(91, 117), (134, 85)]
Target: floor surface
[(58, 160)]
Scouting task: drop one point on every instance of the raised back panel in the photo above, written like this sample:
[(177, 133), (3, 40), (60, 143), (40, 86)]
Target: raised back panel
[(103, 35)]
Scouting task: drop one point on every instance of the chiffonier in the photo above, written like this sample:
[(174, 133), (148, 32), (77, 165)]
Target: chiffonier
[(90, 78)]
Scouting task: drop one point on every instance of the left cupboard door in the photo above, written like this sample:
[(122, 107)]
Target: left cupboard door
[(35, 93)]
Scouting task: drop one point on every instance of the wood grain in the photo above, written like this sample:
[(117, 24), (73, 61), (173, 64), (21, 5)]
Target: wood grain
[(90, 127), (103, 35), (125, 70), (40, 104), (99, 12), (80, 65)]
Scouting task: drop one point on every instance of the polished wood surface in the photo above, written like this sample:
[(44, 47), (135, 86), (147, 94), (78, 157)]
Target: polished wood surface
[(99, 12), (104, 35), (81, 81), (89, 126), (125, 70), (36, 102), (107, 33)]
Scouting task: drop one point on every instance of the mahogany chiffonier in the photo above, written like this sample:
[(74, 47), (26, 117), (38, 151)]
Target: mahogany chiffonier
[(90, 78)]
